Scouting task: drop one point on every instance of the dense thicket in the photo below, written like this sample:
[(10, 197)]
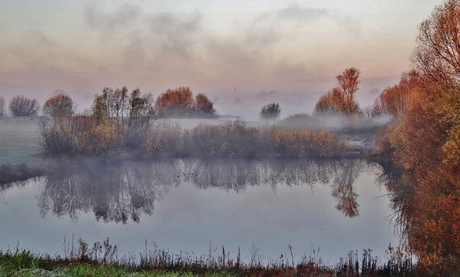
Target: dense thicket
[(426, 141)]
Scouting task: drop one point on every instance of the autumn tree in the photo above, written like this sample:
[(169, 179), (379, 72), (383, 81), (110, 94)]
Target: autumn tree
[(23, 106), (270, 111), (393, 100), (203, 106), (426, 143), (59, 105), (437, 55), (177, 102), (56, 127), (341, 99), (180, 102)]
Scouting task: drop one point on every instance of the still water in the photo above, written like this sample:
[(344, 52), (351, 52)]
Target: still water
[(260, 206)]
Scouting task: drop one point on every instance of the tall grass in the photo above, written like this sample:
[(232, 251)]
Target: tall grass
[(101, 259)]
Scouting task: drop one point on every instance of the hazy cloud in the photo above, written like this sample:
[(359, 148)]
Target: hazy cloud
[(294, 13), (302, 16), (176, 31), (108, 22)]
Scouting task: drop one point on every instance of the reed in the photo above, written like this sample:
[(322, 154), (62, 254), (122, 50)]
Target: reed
[(101, 259)]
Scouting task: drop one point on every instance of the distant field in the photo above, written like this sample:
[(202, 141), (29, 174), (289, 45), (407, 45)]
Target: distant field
[(18, 143)]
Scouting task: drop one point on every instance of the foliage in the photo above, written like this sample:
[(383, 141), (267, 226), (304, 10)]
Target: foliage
[(116, 123), (59, 105), (22, 106), (180, 103), (340, 100), (203, 106), (270, 111), (426, 142), (177, 102), (393, 100), (235, 139), (437, 54)]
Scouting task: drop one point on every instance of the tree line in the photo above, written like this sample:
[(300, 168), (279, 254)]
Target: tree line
[(425, 141), (172, 103)]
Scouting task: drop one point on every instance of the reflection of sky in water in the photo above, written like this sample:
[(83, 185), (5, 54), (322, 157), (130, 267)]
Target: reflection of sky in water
[(187, 218)]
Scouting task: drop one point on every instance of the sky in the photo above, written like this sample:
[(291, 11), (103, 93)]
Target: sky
[(211, 46)]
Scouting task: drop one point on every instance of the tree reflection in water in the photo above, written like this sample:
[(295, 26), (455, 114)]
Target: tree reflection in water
[(114, 192), (117, 192)]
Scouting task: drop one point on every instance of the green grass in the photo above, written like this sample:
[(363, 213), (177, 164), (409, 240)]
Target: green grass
[(101, 261)]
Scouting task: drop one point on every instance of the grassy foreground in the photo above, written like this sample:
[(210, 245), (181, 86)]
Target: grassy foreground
[(101, 259)]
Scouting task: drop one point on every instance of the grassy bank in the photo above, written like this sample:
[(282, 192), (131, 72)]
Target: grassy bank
[(102, 259)]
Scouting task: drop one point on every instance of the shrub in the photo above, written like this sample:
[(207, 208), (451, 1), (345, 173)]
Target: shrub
[(203, 106), (59, 105), (97, 133), (270, 111), (22, 106)]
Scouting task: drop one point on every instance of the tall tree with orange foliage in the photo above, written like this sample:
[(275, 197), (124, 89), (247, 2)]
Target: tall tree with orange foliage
[(426, 142), (341, 99), (393, 100), (180, 102)]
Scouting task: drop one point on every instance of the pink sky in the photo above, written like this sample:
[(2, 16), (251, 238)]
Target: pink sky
[(210, 46)]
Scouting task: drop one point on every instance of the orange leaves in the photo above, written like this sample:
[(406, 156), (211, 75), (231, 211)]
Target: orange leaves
[(181, 98), (180, 102), (59, 105), (393, 100), (237, 140), (307, 143), (341, 98)]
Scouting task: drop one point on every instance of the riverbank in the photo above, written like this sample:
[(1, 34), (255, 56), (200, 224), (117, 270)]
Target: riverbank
[(101, 260)]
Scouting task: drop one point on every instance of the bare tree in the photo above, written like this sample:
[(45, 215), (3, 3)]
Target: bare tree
[(22, 106)]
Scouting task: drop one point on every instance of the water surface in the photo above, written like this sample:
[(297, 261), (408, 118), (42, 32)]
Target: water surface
[(261, 206)]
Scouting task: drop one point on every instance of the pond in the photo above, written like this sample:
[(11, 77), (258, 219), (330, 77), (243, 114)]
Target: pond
[(194, 206)]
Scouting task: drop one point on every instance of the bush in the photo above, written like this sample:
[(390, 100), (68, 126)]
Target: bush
[(180, 103), (22, 106), (203, 106), (59, 105), (270, 111), (98, 133)]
